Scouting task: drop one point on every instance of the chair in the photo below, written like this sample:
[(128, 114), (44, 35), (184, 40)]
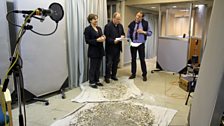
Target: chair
[(5, 101)]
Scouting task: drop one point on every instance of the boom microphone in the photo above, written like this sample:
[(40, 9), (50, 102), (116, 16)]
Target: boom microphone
[(55, 12), (39, 11)]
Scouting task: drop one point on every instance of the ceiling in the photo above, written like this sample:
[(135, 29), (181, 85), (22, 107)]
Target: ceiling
[(155, 7)]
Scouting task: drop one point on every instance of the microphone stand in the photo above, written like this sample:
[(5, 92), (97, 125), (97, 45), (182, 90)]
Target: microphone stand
[(16, 60), (18, 78), (19, 83)]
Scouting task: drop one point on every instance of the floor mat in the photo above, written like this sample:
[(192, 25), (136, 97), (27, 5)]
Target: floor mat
[(121, 90), (118, 114)]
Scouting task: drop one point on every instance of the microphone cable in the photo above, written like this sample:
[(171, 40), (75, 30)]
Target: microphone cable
[(47, 33), (12, 23), (38, 33)]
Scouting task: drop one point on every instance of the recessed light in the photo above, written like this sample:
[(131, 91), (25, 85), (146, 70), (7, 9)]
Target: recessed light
[(174, 6), (195, 5), (198, 5), (153, 7)]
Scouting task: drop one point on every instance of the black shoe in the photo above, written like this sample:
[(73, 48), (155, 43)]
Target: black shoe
[(99, 84), (144, 78), (93, 86), (132, 76), (107, 80), (114, 78)]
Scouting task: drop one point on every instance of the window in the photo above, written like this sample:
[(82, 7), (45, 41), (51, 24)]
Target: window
[(175, 20)]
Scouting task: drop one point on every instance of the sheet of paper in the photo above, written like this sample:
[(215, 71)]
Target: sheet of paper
[(135, 44), (129, 40), (121, 39)]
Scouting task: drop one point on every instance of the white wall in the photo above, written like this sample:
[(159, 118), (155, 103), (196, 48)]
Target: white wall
[(44, 57), (211, 71)]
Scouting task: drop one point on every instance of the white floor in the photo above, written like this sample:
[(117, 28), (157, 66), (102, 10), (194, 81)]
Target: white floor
[(161, 89)]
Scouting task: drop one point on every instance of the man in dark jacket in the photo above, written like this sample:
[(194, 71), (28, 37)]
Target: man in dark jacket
[(113, 30), (138, 30)]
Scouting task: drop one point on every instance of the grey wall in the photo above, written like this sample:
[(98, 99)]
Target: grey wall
[(4, 40), (211, 71), (44, 57)]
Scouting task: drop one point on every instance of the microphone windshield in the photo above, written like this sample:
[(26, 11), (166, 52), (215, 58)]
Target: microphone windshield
[(57, 12)]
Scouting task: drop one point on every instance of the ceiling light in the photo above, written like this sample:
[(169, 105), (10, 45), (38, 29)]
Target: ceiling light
[(198, 5), (195, 5)]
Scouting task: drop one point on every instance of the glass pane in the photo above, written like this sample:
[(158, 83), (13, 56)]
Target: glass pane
[(198, 20), (163, 22), (175, 20)]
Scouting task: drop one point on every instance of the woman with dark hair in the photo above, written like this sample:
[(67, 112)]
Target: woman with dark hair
[(94, 38)]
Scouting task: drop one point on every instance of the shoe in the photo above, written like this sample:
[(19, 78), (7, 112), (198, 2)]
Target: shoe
[(144, 78), (114, 78), (93, 86), (99, 84), (132, 76), (107, 80)]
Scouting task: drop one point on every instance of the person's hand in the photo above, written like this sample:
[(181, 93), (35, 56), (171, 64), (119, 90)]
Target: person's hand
[(122, 36), (104, 37), (141, 31), (116, 41), (101, 39)]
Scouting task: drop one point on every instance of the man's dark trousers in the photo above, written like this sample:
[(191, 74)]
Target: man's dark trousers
[(112, 60), (141, 52)]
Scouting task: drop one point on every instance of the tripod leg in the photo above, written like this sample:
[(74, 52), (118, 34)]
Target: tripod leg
[(41, 100), (19, 95), (189, 94), (152, 71), (62, 94)]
